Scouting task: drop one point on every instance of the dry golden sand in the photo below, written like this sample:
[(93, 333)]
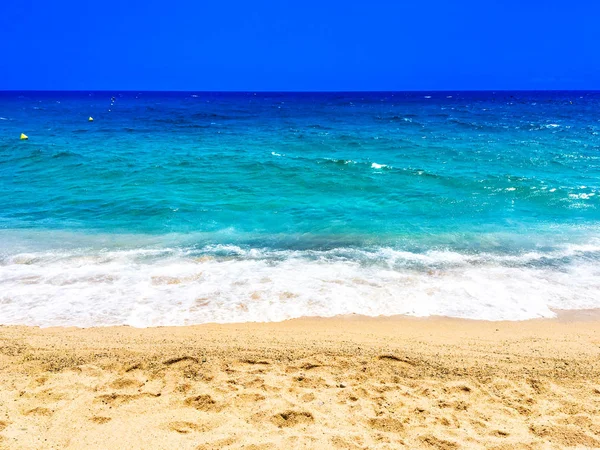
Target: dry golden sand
[(344, 383)]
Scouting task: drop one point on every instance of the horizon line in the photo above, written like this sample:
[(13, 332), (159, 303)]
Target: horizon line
[(299, 91)]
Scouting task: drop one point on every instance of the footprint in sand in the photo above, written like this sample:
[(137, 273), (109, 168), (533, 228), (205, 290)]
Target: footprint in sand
[(216, 445), (441, 444), (48, 396), (182, 427), (115, 399), (171, 361), (500, 433), (248, 398), (564, 436), (133, 367), (100, 419), (386, 424), (203, 402), (39, 411), (125, 383), (292, 418), (400, 361), (254, 362), (347, 443), (309, 366)]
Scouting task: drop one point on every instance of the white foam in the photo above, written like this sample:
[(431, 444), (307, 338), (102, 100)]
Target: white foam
[(378, 166), (156, 287), (582, 196)]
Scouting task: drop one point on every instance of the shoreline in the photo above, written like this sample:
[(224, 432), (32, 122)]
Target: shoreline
[(561, 315), (346, 382)]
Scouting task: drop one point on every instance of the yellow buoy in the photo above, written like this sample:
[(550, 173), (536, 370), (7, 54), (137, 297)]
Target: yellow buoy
[(24, 137), (91, 119)]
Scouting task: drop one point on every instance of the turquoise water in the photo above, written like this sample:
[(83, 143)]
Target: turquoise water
[(176, 208)]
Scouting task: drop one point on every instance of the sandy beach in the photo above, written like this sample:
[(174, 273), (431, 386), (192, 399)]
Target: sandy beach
[(346, 382)]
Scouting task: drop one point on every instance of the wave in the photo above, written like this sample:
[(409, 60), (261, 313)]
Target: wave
[(228, 283), (66, 154), (342, 162), (405, 119), (470, 125), (317, 126), (545, 126), (215, 116), (378, 166)]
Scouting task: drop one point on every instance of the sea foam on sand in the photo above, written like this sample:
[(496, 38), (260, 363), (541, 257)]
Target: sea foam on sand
[(158, 287)]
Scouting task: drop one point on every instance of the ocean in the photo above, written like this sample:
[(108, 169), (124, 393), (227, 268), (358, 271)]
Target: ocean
[(188, 207)]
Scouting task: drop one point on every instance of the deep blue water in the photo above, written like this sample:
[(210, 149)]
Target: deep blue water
[(173, 208)]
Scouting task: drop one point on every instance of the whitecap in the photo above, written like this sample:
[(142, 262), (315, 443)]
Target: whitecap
[(378, 166), (582, 196)]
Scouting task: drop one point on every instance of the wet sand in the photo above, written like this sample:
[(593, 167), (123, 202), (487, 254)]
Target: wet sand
[(347, 383)]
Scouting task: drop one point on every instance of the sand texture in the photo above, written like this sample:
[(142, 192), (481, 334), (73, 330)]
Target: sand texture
[(342, 383)]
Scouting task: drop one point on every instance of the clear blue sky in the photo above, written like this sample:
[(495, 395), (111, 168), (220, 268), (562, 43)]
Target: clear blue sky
[(301, 45)]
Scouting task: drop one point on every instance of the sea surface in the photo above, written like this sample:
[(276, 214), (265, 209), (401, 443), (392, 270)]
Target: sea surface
[(190, 207)]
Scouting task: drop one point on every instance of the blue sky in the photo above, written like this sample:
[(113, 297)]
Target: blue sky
[(302, 45)]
